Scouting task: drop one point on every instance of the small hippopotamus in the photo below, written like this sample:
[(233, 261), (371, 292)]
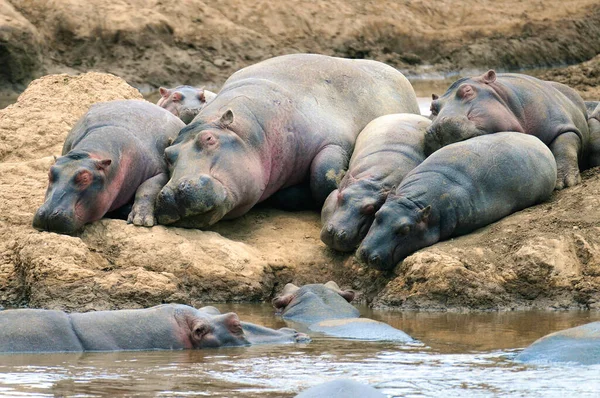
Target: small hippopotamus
[(325, 308), (553, 112), (164, 327), (459, 188), (578, 345), (341, 389), (594, 125), (385, 151), (184, 101), (113, 154), (274, 125)]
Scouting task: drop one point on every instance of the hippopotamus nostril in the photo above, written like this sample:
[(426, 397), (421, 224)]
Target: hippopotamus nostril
[(330, 228), (374, 259), (341, 234)]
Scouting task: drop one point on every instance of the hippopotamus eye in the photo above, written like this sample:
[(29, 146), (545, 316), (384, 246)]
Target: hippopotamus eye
[(368, 209), (434, 109), (404, 230), (201, 330), (466, 91), (83, 178), (51, 175)]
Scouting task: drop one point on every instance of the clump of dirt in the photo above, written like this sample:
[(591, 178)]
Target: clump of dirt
[(584, 77)]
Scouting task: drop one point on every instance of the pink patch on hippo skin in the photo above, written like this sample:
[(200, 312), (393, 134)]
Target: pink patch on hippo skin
[(83, 179)]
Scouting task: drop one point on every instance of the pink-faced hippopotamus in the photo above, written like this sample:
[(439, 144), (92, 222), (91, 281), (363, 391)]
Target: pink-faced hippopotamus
[(274, 125), (457, 189), (325, 308), (594, 125), (385, 151), (553, 112), (184, 101), (114, 152), (164, 327)]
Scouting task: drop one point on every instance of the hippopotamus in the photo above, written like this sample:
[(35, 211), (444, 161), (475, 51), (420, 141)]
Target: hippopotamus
[(274, 125), (113, 154), (184, 101), (164, 327), (579, 345), (491, 103), (457, 189), (342, 388), (594, 125), (325, 308), (385, 151), (591, 106)]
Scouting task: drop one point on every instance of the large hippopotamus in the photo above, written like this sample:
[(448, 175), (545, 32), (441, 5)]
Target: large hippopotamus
[(164, 327), (385, 151), (325, 308), (184, 101), (459, 188), (578, 345), (553, 112), (274, 125), (594, 125), (113, 154), (342, 388)]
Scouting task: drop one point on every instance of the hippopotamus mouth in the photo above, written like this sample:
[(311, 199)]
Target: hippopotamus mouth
[(57, 220)]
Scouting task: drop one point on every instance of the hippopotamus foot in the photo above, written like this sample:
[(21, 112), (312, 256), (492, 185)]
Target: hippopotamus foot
[(142, 212), (327, 170), (565, 149)]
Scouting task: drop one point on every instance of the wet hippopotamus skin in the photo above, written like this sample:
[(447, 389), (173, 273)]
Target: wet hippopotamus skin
[(342, 388), (113, 154), (184, 101), (594, 125), (457, 189), (385, 151), (578, 345), (273, 125), (325, 308), (491, 103), (164, 327)]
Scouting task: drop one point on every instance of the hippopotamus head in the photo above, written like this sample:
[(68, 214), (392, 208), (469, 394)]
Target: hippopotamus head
[(469, 108), (348, 212), (76, 193), (184, 101), (212, 173), (399, 228)]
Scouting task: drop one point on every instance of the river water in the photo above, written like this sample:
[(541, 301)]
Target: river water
[(461, 355)]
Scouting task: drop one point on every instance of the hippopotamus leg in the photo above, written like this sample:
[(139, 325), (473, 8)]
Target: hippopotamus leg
[(565, 149), (142, 212), (594, 125), (327, 170)]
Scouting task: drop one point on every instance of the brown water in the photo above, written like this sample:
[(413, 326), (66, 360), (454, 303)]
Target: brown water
[(463, 355)]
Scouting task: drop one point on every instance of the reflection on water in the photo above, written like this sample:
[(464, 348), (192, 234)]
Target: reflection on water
[(464, 354)]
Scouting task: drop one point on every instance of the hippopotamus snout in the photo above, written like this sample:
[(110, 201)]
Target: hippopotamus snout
[(446, 130), (373, 258), (339, 239), (59, 220)]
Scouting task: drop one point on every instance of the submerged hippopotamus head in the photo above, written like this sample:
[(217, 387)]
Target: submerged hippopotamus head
[(469, 108), (184, 101), (76, 193)]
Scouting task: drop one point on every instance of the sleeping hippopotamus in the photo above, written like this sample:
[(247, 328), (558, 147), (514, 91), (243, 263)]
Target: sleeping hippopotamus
[(342, 388), (459, 188), (594, 125), (274, 125), (184, 101), (579, 345), (385, 151), (325, 308), (164, 327), (491, 103), (114, 152)]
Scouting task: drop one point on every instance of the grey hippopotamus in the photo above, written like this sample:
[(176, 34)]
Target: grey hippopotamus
[(164, 327), (341, 389), (114, 152), (579, 345), (591, 106), (325, 308), (184, 101), (594, 125), (274, 125), (459, 188), (385, 151), (553, 112)]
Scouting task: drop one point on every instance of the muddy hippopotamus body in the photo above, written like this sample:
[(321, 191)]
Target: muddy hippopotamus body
[(385, 151), (594, 125), (164, 327), (184, 101), (114, 152), (274, 125), (459, 188), (491, 103)]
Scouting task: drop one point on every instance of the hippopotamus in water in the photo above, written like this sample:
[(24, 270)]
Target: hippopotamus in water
[(274, 125), (491, 103), (114, 152), (341, 389), (184, 101), (459, 188), (325, 308), (385, 151), (164, 327), (579, 345), (594, 125)]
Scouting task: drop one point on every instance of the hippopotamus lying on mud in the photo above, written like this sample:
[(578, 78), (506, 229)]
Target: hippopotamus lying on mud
[(341, 389), (594, 125), (274, 125), (325, 308), (385, 151), (456, 190), (184, 101), (164, 327), (491, 103), (579, 345), (114, 152)]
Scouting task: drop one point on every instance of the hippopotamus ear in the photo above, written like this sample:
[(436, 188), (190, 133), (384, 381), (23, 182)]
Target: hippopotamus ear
[(227, 118), (434, 97), (282, 301), (164, 92), (201, 95), (348, 295), (424, 214), (489, 76), (103, 164)]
